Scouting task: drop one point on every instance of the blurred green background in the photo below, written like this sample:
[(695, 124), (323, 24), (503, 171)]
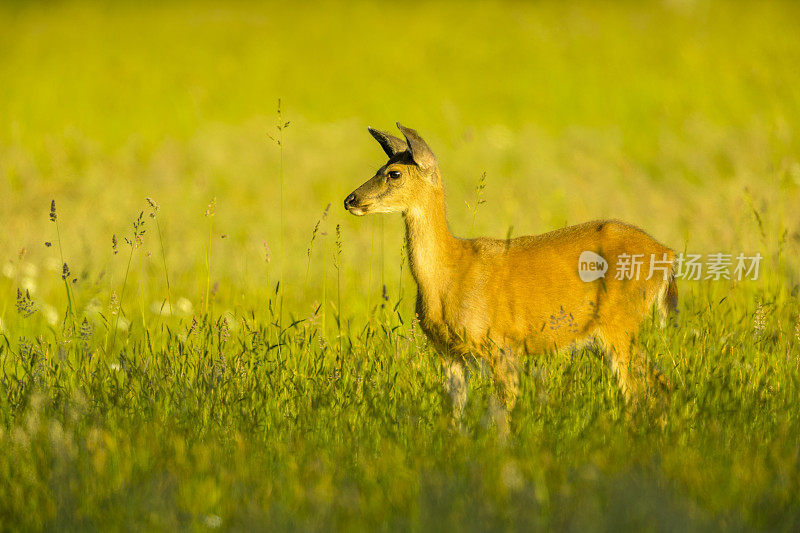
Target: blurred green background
[(680, 116), (677, 116)]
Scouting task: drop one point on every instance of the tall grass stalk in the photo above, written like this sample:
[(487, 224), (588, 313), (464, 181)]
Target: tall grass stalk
[(145, 327), (337, 261), (210, 212), (477, 202), (314, 233), (324, 288), (369, 275), (111, 295), (281, 125), (382, 266), (64, 269), (268, 261), (154, 215), (17, 271), (133, 243), (403, 256)]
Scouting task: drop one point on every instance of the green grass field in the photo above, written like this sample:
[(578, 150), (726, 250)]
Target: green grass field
[(247, 358)]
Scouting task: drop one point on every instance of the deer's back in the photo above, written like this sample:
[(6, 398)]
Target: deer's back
[(526, 292)]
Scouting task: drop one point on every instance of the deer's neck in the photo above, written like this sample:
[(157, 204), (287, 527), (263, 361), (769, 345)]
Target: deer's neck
[(432, 249)]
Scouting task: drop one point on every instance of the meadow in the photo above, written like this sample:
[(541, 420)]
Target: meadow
[(194, 334)]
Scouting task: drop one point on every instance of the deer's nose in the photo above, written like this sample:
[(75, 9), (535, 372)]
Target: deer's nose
[(350, 201)]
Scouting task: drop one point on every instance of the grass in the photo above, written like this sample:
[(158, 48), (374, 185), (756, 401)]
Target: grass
[(176, 385)]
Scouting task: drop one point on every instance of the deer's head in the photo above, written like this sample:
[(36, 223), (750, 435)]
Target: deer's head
[(410, 175)]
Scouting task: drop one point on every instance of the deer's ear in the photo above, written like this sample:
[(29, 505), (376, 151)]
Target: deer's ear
[(391, 145), (420, 152)]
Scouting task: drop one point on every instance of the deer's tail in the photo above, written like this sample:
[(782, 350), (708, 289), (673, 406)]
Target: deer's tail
[(667, 300)]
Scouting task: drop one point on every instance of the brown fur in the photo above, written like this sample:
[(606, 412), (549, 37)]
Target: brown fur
[(498, 300)]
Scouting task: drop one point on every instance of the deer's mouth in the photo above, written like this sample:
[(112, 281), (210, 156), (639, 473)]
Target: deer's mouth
[(358, 210)]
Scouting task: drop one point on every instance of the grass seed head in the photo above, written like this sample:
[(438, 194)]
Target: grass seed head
[(153, 206), (113, 304), (316, 229), (192, 328), (53, 215), (224, 330), (86, 332), (211, 210), (25, 305), (759, 319)]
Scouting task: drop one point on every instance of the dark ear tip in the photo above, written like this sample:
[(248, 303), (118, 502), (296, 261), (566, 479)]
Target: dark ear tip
[(399, 126), (370, 129)]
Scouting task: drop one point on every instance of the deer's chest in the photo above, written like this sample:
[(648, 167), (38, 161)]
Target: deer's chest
[(451, 325)]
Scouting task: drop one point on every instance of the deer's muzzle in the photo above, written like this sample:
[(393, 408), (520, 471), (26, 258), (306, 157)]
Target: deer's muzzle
[(352, 204)]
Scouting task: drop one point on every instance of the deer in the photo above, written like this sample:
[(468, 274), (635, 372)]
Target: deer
[(501, 300)]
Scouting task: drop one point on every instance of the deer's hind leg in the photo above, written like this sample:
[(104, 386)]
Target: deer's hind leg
[(619, 351), (505, 370), (634, 372)]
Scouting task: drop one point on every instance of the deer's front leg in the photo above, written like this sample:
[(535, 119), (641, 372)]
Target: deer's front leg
[(505, 370), (456, 375)]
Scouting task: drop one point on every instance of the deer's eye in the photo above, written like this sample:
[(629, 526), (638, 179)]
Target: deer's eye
[(394, 174)]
